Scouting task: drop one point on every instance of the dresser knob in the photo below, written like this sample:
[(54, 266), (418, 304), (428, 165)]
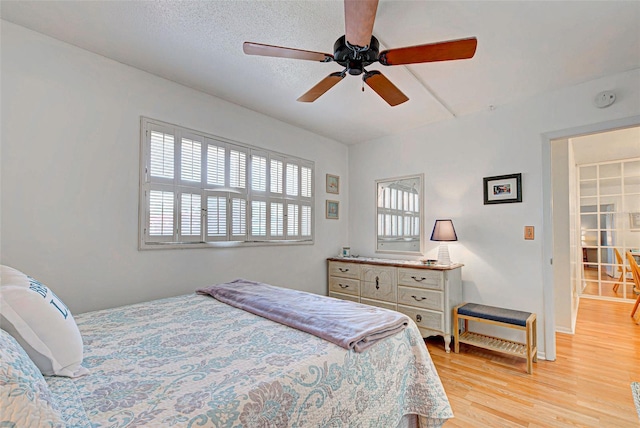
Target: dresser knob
[(418, 299), (419, 280), (418, 317), (343, 286), (377, 283), (343, 269)]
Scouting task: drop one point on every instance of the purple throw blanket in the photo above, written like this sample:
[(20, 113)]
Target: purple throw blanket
[(347, 324)]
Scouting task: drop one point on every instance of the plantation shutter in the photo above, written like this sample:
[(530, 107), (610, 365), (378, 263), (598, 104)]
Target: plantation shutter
[(292, 180), (258, 173), (216, 156), (190, 160), (162, 149), (238, 219), (277, 176), (305, 221), (217, 217), (277, 220), (199, 189), (293, 220), (190, 217), (158, 184), (305, 185), (161, 215), (258, 189), (258, 219), (237, 168), (306, 195)]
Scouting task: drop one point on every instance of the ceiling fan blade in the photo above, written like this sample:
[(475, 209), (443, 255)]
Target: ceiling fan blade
[(323, 86), (251, 48), (359, 16), (441, 51), (383, 87)]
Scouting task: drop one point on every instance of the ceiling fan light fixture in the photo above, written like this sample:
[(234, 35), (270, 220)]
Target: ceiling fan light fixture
[(353, 53)]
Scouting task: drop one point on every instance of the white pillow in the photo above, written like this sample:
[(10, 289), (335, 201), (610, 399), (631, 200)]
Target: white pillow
[(26, 400), (41, 323), (9, 275)]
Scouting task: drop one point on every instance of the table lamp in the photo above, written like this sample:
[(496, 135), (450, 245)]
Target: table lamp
[(444, 232)]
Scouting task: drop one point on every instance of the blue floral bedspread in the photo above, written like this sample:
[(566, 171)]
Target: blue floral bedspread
[(193, 361)]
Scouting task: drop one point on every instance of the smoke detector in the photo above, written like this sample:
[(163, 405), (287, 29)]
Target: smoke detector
[(604, 99)]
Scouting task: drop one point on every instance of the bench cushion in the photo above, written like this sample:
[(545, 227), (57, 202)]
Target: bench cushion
[(494, 313)]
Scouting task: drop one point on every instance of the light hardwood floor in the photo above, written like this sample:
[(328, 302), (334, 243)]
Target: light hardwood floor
[(587, 386), (606, 286)]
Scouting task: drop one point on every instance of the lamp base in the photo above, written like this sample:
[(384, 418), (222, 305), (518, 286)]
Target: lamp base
[(443, 255)]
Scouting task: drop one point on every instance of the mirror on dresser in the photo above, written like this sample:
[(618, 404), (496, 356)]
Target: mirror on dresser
[(399, 214)]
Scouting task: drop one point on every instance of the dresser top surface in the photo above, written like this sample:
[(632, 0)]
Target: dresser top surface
[(415, 264)]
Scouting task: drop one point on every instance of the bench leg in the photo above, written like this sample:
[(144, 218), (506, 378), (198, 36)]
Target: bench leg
[(530, 356), (535, 339), (456, 333)]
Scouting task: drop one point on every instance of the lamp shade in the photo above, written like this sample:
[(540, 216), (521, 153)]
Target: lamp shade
[(443, 231)]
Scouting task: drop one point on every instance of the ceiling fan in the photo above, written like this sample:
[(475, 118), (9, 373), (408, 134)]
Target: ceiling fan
[(358, 48)]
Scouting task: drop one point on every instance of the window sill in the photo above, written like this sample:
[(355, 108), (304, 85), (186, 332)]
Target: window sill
[(226, 244)]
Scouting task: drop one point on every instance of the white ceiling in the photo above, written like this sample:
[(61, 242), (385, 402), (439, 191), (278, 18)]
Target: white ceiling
[(524, 48), (607, 146)]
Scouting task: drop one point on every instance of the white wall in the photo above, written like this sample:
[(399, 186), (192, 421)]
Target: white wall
[(575, 251), (501, 268), (69, 174), (562, 234)]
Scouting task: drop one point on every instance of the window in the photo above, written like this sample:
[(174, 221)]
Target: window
[(201, 190)]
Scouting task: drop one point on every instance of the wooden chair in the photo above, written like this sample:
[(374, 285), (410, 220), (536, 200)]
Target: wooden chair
[(635, 270), (622, 269)]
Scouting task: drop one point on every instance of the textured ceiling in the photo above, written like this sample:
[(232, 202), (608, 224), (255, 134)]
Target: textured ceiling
[(524, 48)]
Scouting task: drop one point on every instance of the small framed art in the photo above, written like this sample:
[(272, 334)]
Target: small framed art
[(333, 184), (333, 210), (502, 189)]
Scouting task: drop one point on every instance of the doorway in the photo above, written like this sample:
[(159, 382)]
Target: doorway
[(560, 263)]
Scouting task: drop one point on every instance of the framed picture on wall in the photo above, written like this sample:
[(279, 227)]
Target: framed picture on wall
[(333, 184), (333, 210), (502, 189)]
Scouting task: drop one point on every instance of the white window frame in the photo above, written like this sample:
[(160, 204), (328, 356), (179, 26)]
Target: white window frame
[(231, 195)]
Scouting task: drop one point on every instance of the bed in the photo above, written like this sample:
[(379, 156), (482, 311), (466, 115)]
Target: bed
[(195, 361)]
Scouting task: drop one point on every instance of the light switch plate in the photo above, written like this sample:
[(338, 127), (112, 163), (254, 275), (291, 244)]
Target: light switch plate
[(528, 232)]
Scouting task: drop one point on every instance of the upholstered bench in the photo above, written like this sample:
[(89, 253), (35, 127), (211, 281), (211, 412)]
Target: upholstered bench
[(510, 318)]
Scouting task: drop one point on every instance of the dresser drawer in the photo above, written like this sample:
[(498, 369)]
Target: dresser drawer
[(424, 318), (344, 270), (379, 291), (426, 294), (378, 303), (428, 299), (379, 274), (344, 285), (344, 297), (424, 278)]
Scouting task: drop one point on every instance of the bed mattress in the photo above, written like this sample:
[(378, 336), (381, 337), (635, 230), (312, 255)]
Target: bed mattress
[(194, 361)]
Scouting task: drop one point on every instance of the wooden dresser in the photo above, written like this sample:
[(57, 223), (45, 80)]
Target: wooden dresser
[(427, 294)]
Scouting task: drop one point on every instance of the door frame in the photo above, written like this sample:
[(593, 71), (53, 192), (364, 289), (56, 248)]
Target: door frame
[(547, 217)]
